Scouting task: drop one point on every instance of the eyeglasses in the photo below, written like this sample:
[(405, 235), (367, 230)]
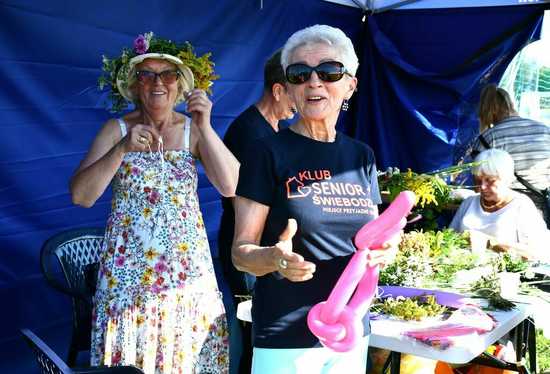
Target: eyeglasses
[(328, 71), (150, 77)]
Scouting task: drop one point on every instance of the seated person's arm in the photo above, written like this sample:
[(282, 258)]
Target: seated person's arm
[(486, 241)]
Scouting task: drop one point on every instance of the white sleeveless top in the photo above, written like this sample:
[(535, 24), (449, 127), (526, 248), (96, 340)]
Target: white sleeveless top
[(186, 131)]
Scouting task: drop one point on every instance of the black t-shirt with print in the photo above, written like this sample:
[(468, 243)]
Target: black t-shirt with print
[(331, 190)]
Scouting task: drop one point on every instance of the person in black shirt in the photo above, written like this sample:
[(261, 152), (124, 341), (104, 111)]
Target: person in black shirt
[(261, 119), (302, 195)]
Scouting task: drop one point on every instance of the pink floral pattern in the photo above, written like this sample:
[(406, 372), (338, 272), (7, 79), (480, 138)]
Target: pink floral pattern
[(157, 304)]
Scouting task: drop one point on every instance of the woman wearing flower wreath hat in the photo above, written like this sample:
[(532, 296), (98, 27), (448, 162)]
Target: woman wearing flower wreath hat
[(157, 303)]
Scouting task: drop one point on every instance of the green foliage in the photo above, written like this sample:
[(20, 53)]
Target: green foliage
[(429, 189), (450, 253), (433, 194), (412, 263), (201, 67), (427, 257), (446, 242), (543, 352), (512, 264), (410, 308), (488, 287)]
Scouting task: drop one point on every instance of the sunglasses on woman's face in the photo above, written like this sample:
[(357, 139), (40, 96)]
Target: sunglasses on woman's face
[(150, 77), (328, 71)]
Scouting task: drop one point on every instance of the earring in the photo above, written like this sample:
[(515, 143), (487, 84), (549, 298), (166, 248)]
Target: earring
[(345, 105)]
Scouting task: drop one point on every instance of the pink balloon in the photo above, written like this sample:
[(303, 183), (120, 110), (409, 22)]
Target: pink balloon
[(337, 323)]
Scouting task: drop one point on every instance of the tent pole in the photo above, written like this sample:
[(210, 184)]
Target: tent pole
[(394, 6)]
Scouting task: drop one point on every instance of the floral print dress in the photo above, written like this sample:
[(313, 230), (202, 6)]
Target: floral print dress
[(157, 304)]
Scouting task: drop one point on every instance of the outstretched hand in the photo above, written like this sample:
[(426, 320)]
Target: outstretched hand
[(291, 265)]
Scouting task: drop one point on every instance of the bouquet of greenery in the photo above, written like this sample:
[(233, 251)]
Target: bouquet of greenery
[(449, 252), (432, 192), (428, 258), (414, 308), (412, 263)]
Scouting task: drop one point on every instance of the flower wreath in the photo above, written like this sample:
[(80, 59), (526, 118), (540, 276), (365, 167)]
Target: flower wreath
[(117, 68)]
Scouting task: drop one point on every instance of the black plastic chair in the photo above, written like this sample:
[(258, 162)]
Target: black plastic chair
[(50, 363), (76, 252)]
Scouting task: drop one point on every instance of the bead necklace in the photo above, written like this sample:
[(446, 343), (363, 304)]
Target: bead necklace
[(493, 207)]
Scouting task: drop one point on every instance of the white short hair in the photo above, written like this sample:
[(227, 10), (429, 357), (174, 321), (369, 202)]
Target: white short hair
[(496, 163), (332, 36)]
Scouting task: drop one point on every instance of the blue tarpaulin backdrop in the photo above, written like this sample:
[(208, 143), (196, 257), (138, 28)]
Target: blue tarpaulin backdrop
[(420, 76)]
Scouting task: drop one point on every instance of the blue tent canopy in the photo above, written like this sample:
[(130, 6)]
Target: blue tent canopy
[(420, 75)]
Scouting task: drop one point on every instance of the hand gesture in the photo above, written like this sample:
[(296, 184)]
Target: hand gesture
[(200, 107), (386, 254), (291, 265), (140, 138)]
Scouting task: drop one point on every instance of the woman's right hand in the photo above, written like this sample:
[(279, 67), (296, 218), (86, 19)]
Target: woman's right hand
[(291, 265), (140, 138)]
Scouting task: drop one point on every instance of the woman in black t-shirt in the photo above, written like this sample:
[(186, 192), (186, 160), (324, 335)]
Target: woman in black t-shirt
[(302, 195)]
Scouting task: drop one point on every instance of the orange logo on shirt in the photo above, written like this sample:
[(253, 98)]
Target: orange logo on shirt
[(295, 188)]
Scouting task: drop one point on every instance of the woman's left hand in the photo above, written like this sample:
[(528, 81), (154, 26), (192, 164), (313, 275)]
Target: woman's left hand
[(386, 254), (200, 107)]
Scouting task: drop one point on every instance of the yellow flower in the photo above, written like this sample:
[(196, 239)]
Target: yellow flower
[(111, 282), (150, 254), (127, 220), (146, 212), (175, 200), (140, 319), (183, 247), (146, 279)]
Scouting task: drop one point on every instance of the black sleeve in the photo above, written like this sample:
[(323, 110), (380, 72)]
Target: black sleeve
[(256, 174), (235, 143)]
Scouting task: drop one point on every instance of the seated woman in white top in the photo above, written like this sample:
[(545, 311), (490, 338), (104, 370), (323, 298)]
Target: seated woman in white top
[(509, 219)]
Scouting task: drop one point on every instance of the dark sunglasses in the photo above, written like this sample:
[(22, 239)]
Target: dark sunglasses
[(328, 71), (150, 77)]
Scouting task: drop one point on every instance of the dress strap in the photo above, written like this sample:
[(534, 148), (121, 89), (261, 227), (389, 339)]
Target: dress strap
[(186, 133), (122, 124)]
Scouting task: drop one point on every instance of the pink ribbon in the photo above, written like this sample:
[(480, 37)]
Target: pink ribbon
[(337, 323)]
